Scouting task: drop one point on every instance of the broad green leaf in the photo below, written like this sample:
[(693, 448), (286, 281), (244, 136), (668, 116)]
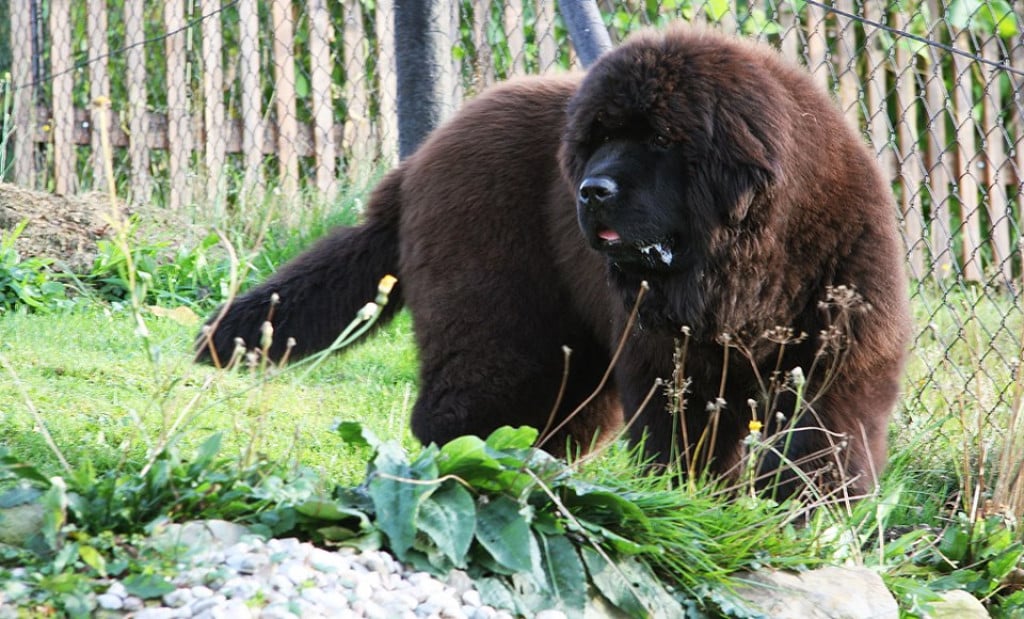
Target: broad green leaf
[(998, 567), (603, 506), (397, 492), (630, 586), (466, 456), (332, 511), (448, 517), (507, 437), (19, 495), (93, 559), (23, 470), (506, 535), (355, 433), (206, 453), (147, 586), (565, 574)]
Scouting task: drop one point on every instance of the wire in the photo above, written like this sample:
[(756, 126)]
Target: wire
[(166, 35), (931, 43)]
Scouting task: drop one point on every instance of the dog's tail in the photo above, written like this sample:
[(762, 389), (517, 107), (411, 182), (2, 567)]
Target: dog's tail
[(316, 295)]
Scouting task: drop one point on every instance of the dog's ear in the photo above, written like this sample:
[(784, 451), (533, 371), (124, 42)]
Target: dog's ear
[(745, 159)]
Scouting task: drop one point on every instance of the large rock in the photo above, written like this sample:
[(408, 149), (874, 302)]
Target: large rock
[(825, 593)]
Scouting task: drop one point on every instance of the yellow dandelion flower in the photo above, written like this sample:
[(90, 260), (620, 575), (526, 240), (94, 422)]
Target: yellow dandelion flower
[(755, 425)]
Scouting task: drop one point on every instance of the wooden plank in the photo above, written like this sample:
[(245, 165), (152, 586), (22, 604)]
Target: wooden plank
[(876, 112), (515, 34), (179, 130), (321, 33), (910, 162), (358, 131), (251, 103), (483, 65), (845, 63), (1000, 212), (817, 43), (62, 82), (99, 83), (789, 36), (23, 112), (135, 56), (965, 132), (155, 135), (213, 106), (544, 32), (940, 159), (386, 128), (284, 94)]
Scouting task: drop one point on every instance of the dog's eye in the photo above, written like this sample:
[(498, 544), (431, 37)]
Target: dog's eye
[(662, 140)]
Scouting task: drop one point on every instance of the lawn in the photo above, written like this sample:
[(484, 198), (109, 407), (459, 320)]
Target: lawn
[(97, 388)]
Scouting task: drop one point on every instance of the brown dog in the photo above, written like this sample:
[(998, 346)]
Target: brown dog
[(703, 165)]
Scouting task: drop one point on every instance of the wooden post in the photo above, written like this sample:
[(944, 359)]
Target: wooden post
[(964, 130), (789, 43), (215, 134), (877, 113), (357, 95), (24, 112), (251, 103), (320, 36), (61, 105), (515, 34), (179, 130), (484, 67), (1000, 212), (817, 43), (846, 63), (544, 32), (284, 94), (939, 168), (387, 104), (138, 108), (99, 87), (910, 161)]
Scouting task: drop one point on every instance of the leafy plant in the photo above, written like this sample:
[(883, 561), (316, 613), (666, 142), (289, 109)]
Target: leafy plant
[(533, 534), (27, 282)]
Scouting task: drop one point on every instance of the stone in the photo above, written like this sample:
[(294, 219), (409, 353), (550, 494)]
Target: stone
[(825, 593)]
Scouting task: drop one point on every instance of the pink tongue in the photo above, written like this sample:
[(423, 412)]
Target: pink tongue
[(608, 235)]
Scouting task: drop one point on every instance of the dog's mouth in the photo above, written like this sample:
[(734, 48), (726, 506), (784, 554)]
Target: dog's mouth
[(609, 236), (644, 253)]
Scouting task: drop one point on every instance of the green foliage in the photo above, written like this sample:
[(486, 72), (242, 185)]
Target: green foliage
[(533, 534), (27, 282), (92, 522), (982, 557)]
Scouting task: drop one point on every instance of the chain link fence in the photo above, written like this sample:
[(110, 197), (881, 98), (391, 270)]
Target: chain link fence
[(204, 101)]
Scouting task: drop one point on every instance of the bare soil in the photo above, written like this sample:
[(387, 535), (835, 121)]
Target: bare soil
[(63, 228)]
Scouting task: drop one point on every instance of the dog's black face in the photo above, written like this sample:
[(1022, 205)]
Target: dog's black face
[(667, 154), (628, 196)]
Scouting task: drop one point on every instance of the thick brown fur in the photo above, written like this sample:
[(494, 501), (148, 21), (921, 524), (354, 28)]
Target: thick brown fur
[(725, 179)]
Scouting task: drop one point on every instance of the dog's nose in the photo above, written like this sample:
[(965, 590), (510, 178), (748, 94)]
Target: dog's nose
[(596, 189)]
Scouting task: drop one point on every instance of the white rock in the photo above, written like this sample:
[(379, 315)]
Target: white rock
[(178, 598), (109, 601)]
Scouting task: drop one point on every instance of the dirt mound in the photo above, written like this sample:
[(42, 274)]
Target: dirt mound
[(64, 228)]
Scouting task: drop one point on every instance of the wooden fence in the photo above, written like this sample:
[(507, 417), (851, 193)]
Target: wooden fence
[(300, 93)]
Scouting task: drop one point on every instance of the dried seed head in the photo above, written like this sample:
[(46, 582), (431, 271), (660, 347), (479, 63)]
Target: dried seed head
[(275, 299), (367, 311), (266, 335)]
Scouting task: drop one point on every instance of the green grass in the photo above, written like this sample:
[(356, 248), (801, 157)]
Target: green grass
[(104, 399), (115, 402)]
